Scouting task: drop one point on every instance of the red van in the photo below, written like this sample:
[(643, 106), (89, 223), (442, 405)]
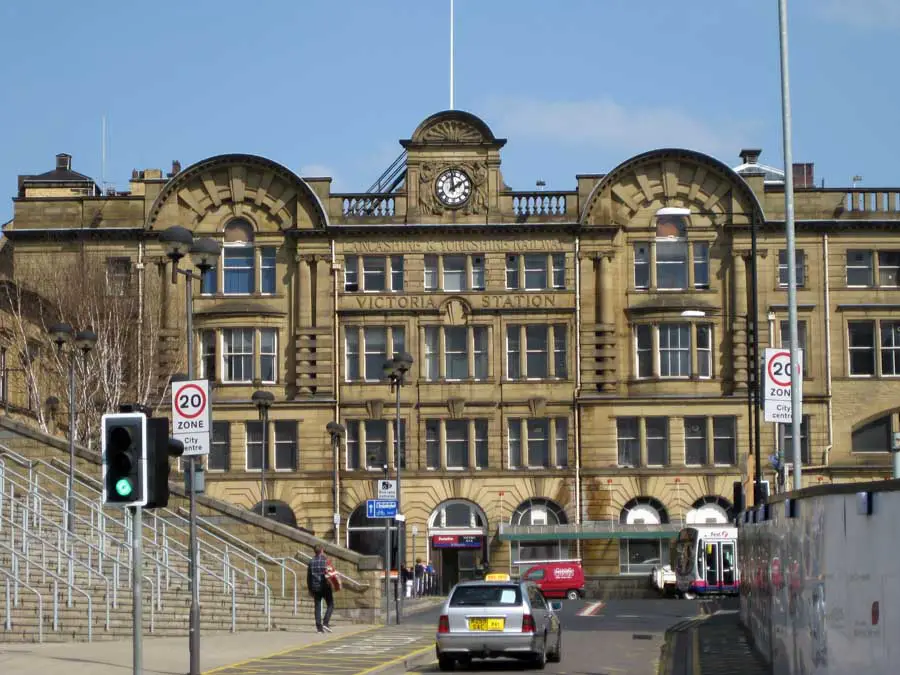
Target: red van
[(558, 579)]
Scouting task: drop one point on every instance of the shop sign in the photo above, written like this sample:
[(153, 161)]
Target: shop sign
[(456, 541)]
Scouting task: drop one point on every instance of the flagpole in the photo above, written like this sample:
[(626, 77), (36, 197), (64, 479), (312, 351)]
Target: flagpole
[(451, 54)]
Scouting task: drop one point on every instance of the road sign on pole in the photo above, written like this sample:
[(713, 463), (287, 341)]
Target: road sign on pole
[(191, 418), (386, 489), (777, 385), (381, 508)]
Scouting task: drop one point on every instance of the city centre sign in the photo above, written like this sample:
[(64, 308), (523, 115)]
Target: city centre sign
[(432, 301)]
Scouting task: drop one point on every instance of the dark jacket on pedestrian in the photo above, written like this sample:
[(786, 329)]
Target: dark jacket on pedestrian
[(315, 573)]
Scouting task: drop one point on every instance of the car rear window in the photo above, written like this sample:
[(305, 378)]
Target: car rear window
[(486, 596)]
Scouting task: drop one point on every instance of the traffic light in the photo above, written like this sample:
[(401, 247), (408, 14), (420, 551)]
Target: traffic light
[(124, 446), (159, 448)]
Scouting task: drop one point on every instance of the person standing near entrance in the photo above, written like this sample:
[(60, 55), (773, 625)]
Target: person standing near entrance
[(320, 588)]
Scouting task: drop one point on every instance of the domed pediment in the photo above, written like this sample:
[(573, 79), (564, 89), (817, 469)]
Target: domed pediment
[(453, 127)]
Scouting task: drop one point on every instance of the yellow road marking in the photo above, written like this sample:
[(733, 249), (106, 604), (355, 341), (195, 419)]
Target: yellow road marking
[(696, 647), (394, 662)]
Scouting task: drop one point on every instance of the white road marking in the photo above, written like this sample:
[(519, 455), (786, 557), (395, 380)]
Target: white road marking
[(591, 609)]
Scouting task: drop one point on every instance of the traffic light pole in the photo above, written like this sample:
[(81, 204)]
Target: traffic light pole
[(194, 628), (137, 578)]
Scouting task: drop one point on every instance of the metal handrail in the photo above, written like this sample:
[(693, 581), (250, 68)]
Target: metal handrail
[(69, 584), (40, 598)]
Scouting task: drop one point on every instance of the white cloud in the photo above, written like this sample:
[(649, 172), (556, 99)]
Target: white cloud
[(863, 13), (603, 123)]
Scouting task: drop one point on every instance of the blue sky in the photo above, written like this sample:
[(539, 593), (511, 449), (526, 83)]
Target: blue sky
[(329, 86)]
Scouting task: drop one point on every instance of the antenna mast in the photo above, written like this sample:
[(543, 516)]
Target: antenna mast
[(103, 154), (451, 54)]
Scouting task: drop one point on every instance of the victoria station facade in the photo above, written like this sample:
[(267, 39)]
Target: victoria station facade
[(582, 359)]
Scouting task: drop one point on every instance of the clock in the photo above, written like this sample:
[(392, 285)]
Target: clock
[(453, 187)]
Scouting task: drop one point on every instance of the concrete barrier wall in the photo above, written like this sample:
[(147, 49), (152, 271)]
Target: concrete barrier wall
[(820, 590)]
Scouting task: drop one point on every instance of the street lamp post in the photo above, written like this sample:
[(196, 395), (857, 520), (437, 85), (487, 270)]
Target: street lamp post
[(336, 430), (387, 551), (179, 242), (395, 370), (82, 341), (263, 401)]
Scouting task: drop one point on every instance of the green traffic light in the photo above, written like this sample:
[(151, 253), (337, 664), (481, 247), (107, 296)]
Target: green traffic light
[(123, 487)]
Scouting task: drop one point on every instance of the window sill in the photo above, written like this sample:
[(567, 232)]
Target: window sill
[(691, 378), (240, 296)]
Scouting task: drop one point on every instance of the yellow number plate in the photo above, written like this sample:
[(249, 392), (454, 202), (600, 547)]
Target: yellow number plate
[(487, 624)]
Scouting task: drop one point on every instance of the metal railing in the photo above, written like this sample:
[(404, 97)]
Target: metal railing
[(7, 619)]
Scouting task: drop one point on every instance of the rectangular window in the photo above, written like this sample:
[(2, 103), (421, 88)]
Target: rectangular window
[(432, 353), (237, 345), (118, 276), (799, 264), (398, 341), (890, 348), (285, 445), (376, 444), (671, 265), (208, 355), (675, 350), (704, 351), (397, 272), (480, 344), (628, 441), (889, 268), (559, 270), (560, 357), (536, 362), (375, 353), (433, 444), (254, 432), (219, 458), (724, 441), (862, 347), (562, 442), (538, 443), (209, 283), (374, 273), (267, 255), (515, 443), (454, 273), (642, 265), (535, 272), (457, 444), (268, 355), (657, 430), (431, 272), (352, 445), (513, 353), (481, 444), (477, 272), (695, 441), (785, 328), (701, 264), (351, 342), (860, 270), (804, 441), (351, 273), (239, 269), (643, 338), (512, 272), (456, 352), (400, 448)]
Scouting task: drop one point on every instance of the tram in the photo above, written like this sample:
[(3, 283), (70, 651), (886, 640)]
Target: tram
[(706, 561)]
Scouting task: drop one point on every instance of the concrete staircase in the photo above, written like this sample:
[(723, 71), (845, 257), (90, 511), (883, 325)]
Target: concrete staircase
[(84, 582)]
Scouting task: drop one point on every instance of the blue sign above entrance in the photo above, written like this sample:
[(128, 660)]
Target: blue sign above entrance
[(381, 508)]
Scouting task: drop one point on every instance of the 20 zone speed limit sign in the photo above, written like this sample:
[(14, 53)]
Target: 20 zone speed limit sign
[(190, 415), (777, 385)]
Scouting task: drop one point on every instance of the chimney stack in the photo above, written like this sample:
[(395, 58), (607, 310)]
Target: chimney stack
[(750, 156), (63, 162), (804, 176)]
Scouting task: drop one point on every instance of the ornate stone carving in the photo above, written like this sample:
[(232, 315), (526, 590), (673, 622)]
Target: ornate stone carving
[(452, 131), (375, 408), (537, 406), (428, 201), (456, 311), (456, 407)]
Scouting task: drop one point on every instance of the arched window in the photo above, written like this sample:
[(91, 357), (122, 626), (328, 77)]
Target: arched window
[(239, 258), (671, 248), (710, 510), (874, 436), (457, 513), (640, 556), (366, 535), (541, 514), (278, 511)]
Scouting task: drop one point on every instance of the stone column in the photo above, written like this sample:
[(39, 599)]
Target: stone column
[(739, 321), (606, 333), (304, 291)]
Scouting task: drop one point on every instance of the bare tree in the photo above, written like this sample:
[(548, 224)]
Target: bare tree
[(124, 309)]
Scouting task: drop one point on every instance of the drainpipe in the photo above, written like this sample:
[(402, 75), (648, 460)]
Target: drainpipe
[(828, 400), (577, 407), (140, 321), (337, 385)]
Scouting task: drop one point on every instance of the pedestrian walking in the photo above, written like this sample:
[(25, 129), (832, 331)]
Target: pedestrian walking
[(320, 588)]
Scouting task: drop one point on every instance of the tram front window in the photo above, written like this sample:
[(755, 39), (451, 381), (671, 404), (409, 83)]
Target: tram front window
[(712, 564)]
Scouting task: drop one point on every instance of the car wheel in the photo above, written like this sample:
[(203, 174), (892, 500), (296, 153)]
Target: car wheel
[(556, 655), (540, 659), (446, 663), (572, 595)]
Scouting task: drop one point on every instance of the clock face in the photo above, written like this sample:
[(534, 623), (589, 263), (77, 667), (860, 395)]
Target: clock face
[(453, 187)]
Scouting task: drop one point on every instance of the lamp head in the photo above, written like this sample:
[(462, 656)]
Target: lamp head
[(262, 400), (335, 429), (60, 333), (178, 241), (205, 253), (85, 340)]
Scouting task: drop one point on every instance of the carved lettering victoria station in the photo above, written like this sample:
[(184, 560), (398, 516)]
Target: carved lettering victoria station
[(483, 302), (482, 246)]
